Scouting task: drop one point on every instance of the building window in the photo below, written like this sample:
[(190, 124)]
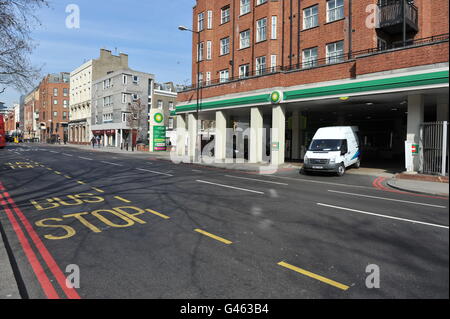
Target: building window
[(171, 106), (225, 15), (160, 104), (124, 117), (310, 57), (260, 65), (171, 124), (55, 102), (311, 17), (200, 78), (261, 30), (124, 79), (273, 63), (209, 50), (135, 79), (124, 98), (224, 46), (208, 78), (66, 103), (245, 6), (55, 92), (135, 97), (201, 20), (244, 39), (244, 71), (106, 84), (210, 19), (381, 44), (66, 92), (55, 114), (335, 10), (64, 115), (258, 2), (335, 52), (107, 101), (200, 51), (224, 76), (273, 34)]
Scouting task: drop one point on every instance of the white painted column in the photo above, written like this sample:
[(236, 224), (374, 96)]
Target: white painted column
[(116, 135), (256, 135), (442, 108), (278, 134), (192, 127), (296, 135), (220, 137), (181, 135), (415, 119)]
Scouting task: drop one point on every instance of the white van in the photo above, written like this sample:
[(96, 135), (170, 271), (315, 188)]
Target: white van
[(333, 149)]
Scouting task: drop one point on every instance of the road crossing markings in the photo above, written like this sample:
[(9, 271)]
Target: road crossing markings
[(388, 199), (257, 180), (383, 216), (122, 199), (225, 241), (232, 187), (149, 171), (314, 276), (157, 214)]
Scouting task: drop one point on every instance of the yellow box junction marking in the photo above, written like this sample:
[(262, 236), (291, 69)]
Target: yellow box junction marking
[(227, 242), (314, 276), (157, 214), (122, 199)]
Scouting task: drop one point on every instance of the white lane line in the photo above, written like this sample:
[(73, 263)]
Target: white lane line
[(159, 173), (256, 180), (232, 187), (65, 154), (111, 163), (54, 152), (388, 199), (320, 182), (85, 158), (383, 216), (197, 170)]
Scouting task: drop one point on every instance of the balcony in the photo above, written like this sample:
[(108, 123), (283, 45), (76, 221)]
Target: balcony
[(394, 12)]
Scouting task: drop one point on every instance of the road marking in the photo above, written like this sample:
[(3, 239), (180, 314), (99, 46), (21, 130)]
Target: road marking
[(232, 187), (67, 176), (122, 199), (314, 276), (388, 199), (383, 216), (257, 180), (54, 152), (146, 170), (85, 158), (227, 242), (111, 163), (197, 170), (65, 154), (58, 173), (98, 190), (81, 183), (157, 214), (320, 182), (50, 169)]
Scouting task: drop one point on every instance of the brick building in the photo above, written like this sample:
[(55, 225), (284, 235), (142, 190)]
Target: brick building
[(381, 65), (52, 107)]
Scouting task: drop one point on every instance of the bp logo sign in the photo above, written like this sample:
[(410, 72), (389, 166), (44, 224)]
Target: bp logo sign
[(159, 118), (276, 97)]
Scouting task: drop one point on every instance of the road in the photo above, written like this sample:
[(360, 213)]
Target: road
[(136, 227)]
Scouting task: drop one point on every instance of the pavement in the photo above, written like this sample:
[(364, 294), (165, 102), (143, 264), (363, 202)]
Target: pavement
[(414, 186), (136, 226), (8, 282)]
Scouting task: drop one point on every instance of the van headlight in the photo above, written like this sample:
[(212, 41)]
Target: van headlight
[(333, 161), (306, 160)]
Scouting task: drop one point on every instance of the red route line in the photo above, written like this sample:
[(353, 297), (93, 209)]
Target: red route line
[(45, 283), (71, 293), (377, 183)]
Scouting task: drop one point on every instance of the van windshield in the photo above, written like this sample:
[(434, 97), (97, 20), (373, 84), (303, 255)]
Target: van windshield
[(326, 145)]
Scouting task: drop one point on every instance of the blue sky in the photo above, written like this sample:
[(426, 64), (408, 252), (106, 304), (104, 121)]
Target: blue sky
[(147, 30)]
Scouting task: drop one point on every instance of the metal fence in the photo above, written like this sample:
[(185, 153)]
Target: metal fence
[(435, 150)]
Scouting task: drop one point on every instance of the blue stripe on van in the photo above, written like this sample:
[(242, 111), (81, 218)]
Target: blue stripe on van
[(356, 155)]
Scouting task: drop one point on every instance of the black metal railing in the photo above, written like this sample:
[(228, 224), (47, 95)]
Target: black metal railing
[(391, 13), (317, 63)]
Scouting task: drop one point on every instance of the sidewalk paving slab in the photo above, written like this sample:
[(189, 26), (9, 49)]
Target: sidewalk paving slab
[(8, 283)]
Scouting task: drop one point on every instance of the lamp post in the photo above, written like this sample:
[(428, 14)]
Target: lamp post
[(198, 139)]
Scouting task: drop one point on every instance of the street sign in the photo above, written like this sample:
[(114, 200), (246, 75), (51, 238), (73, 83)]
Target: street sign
[(159, 138)]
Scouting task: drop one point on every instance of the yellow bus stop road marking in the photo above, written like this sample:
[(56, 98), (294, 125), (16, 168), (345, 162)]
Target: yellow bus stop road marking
[(67, 176), (122, 199), (98, 190), (314, 276), (213, 236), (157, 214), (58, 173)]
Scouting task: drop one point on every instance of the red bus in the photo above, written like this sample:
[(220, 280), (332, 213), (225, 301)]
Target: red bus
[(2, 133)]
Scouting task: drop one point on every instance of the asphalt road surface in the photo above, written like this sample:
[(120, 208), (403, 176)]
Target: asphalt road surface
[(135, 227)]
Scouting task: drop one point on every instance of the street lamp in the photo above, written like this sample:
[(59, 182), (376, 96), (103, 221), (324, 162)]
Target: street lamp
[(198, 142)]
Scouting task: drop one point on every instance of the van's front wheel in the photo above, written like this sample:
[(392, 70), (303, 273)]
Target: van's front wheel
[(341, 170)]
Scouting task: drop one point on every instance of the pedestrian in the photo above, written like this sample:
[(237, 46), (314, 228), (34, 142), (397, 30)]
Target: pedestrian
[(93, 140), (98, 141)]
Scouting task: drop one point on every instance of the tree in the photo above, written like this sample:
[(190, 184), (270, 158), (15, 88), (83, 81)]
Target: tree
[(135, 112), (17, 19)]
